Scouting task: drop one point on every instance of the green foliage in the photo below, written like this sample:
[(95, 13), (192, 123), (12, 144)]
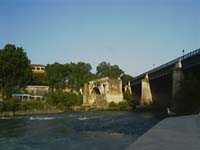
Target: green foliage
[(124, 105), (112, 104), (129, 97), (15, 70), (71, 75), (106, 70), (74, 75), (1, 106), (125, 78), (9, 105), (121, 105), (56, 75), (187, 100), (60, 106), (38, 79), (31, 105), (79, 74), (63, 99), (14, 105)]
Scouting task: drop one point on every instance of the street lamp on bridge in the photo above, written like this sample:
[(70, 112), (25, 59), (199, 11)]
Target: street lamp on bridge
[(183, 52)]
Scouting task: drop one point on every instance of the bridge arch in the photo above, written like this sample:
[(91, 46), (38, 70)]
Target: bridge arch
[(95, 93), (100, 92)]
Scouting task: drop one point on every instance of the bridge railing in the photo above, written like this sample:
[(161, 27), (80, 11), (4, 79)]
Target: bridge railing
[(184, 57)]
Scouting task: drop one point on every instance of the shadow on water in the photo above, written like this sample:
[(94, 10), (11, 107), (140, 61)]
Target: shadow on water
[(76, 130)]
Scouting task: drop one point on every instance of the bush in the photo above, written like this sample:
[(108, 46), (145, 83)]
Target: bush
[(60, 106), (121, 105), (63, 99), (129, 97), (113, 104), (10, 105), (2, 107)]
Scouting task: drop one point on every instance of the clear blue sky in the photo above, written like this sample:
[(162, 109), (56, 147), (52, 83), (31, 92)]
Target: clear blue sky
[(135, 34)]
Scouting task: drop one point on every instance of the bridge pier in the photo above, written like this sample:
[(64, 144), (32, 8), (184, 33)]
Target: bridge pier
[(178, 76), (146, 95)]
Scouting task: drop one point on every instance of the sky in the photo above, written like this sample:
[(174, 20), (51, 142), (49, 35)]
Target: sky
[(134, 34)]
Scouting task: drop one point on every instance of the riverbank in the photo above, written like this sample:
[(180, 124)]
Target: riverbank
[(30, 112), (72, 109), (175, 133), (57, 111)]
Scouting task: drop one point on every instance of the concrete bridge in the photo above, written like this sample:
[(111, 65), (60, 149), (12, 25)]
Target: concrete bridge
[(159, 85)]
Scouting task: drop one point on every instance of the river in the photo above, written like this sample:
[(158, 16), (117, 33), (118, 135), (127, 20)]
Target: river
[(107, 130)]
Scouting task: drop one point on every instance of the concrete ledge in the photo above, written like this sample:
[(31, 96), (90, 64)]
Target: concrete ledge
[(176, 133)]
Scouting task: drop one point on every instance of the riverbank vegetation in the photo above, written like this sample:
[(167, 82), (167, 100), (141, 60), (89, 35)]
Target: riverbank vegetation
[(14, 105), (120, 106), (63, 100), (15, 70), (64, 81)]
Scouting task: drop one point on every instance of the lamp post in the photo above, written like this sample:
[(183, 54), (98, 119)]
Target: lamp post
[(183, 53)]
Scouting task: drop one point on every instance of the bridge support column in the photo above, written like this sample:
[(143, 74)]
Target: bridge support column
[(146, 95), (178, 76), (128, 88)]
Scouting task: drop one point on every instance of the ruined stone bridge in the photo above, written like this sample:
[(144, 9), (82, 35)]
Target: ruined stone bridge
[(162, 83), (101, 92)]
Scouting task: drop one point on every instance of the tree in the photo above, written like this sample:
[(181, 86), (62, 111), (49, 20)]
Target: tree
[(106, 70), (15, 69), (129, 97), (56, 75), (38, 79), (80, 73), (71, 75), (126, 78)]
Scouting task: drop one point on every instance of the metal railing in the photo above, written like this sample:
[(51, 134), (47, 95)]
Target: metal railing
[(170, 63)]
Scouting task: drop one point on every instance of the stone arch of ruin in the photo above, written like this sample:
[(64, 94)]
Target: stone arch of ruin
[(102, 91)]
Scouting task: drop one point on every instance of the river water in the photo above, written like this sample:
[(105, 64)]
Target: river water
[(112, 130)]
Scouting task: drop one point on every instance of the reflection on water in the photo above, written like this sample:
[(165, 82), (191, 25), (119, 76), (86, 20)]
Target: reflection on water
[(75, 130)]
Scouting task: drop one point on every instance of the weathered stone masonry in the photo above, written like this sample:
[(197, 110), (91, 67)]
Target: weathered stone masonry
[(102, 91)]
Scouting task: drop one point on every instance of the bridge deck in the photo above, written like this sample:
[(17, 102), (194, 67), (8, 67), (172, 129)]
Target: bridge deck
[(166, 68)]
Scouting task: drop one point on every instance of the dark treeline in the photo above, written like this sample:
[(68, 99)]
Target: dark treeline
[(74, 75), (15, 70), (16, 74)]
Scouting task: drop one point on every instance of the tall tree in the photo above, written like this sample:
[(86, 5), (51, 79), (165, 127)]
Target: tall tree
[(72, 75), (56, 75), (15, 69), (106, 70), (126, 78), (80, 73)]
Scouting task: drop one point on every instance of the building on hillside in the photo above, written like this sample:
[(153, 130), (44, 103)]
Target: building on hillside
[(102, 91), (37, 90), (38, 68)]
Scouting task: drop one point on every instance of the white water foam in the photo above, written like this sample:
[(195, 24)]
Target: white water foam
[(83, 118), (42, 118), (86, 118), (71, 116)]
